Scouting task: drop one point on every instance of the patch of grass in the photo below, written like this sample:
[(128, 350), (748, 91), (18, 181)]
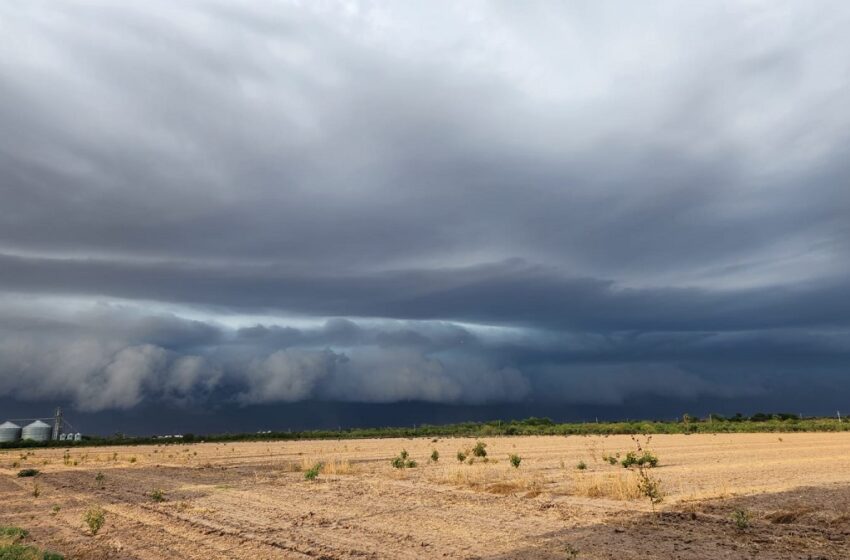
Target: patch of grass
[(10, 535), (27, 472), (515, 460), (461, 456), (337, 467), (480, 449), (435, 456), (157, 495), (94, 517), (99, 478), (36, 490), (313, 472), (581, 465)]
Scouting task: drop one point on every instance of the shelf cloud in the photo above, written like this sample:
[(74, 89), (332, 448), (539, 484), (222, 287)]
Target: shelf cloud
[(207, 204)]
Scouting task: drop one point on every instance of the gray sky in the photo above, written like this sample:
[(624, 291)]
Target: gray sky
[(207, 203)]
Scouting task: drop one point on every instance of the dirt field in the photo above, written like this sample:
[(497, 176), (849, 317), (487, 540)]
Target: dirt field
[(251, 500)]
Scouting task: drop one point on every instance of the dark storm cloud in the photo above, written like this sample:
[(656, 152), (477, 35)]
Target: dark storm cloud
[(506, 293), (628, 213)]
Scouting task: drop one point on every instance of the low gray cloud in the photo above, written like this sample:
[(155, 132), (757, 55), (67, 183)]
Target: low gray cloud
[(464, 203)]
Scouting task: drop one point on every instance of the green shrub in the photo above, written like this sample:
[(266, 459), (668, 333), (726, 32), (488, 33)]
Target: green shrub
[(581, 465), (157, 495), (435, 456), (403, 461), (313, 472), (479, 449), (27, 472), (515, 460), (94, 517), (461, 456), (742, 519)]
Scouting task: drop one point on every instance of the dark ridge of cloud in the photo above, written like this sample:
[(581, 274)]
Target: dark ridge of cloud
[(108, 358), (503, 293)]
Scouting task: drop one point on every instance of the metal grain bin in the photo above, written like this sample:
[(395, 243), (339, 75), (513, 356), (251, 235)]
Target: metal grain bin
[(78, 437), (9, 432), (37, 431), (62, 437)]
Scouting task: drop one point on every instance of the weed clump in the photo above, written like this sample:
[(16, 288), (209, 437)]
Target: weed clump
[(461, 456), (515, 460), (313, 472), (646, 459), (742, 519), (435, 456), (403, 461), (581, 465), (157, 495), (27, 472), (94, 517), (480, 449)]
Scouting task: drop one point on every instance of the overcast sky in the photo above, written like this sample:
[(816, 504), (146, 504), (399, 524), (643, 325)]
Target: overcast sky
[(213, 204)]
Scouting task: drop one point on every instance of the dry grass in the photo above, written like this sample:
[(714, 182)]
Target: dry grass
[(342, 466), (487, 477), (616, 486)]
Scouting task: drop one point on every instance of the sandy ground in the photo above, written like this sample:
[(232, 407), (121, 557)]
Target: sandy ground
[(251, 500)]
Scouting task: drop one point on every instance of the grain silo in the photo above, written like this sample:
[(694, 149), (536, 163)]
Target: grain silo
[(62, 437), (9, 432), (77, 437), (36, 431)]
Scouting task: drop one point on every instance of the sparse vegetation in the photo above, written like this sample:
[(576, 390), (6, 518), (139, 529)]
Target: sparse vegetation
[(94, 518), (36, 490), (12, 549), (480, 449), (515, 460), (581, 465), (27, 472), (461, 456), (435, 456), (100, 478), (313, 472), (157, 495), (403, 461), (742, 519)]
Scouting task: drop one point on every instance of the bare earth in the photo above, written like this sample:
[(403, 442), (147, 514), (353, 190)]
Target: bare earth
[(251, 500)]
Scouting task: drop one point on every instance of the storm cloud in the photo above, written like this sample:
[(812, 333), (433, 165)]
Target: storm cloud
[(205, 203)]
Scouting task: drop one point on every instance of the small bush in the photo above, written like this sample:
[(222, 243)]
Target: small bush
[(479, 449), (94, 517), (403, 461), (27, 472), (515, 460), (99, 478), (461, 456), (313, 472), (646, 459), (742, 519), (157, 495), (581, 465), (435, 456), (36, 490)]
